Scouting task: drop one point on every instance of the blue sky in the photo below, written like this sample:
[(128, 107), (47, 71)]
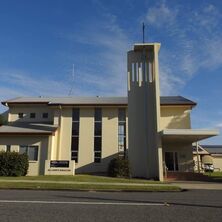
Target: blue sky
[(40, 40)]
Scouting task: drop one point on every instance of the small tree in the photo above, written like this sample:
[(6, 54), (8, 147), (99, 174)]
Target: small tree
[(119, 167), (13, 164)]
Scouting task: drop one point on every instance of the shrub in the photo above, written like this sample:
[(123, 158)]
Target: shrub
[(3, 120), (119, 167), (13, 164)]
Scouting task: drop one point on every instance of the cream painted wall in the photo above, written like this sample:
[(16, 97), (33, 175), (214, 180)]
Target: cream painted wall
[(86, 141), (217, 161), (64, 135), (27, 109), (59, 145), (109, 135), (35, 167), (175, 117)]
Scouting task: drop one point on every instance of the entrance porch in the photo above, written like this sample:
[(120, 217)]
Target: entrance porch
[(177, 151)]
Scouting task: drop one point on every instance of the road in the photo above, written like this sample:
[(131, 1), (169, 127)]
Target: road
[(192, 205)]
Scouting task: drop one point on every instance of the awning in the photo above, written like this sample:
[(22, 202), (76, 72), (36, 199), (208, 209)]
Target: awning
[(187, 135), (27, 129)]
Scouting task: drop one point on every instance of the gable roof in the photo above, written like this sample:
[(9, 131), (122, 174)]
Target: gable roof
[(164, 100)]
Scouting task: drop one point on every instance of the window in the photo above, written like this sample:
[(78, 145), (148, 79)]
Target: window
[(122, 131), (45, 115), (8, 148), (98, 135), (98, 129), (20, 115), (98, 114), (32, 115), (75, 134), (75, 128), (171, 161), (31, 151)]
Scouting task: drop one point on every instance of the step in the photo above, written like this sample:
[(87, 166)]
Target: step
[(171, 176)]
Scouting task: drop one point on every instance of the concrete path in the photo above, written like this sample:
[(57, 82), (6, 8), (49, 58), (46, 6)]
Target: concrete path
[(78, 182), (196, 185)]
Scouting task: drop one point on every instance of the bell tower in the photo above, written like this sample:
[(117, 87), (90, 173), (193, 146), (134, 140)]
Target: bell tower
[(145, 149)]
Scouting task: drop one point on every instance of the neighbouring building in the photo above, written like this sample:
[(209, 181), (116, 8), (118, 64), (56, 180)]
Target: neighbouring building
[(208, 154), (67, 135)]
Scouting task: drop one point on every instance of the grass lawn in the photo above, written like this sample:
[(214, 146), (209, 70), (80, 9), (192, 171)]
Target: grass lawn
[(215, 176), (35, 183), (82, 178), (89, 187)]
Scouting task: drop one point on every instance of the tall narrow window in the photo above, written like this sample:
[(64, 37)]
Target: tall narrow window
[(122, 131), (8, 148), (98, 135), (75, 134), (20, 115)]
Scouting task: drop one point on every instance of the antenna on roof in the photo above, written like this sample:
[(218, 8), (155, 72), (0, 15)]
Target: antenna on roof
[(72, 82), (143, 32)]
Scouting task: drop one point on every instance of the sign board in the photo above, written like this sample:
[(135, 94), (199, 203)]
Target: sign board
[(59, 167), (59, 163)]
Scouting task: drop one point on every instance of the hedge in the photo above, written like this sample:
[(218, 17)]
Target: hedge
[(119, 167), (13, 164)]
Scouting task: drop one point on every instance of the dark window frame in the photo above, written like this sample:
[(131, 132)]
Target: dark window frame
[(20, 115), (8, 148), (98, 135), (75, 134), (122, 135), (32, 115), (27, 151), (45, 115)]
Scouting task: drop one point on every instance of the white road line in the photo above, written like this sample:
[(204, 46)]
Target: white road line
[(83, 203)]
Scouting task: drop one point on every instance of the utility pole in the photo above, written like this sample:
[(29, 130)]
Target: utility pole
[(198, 161)]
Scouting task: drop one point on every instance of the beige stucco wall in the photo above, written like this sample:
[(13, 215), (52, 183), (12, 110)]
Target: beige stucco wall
[(62, 139), (175, 117), (64, 135), (217, 162), (27, 109), (59, 147), (86, 139), (185, 155), (43, 142)]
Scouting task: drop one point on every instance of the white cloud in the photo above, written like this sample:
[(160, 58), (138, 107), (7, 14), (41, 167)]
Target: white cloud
[(219, 125), (195, 38), (101, 72), (105, 68), (160, 15)]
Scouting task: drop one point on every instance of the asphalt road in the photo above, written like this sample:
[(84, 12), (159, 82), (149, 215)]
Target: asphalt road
[(193, 205)]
